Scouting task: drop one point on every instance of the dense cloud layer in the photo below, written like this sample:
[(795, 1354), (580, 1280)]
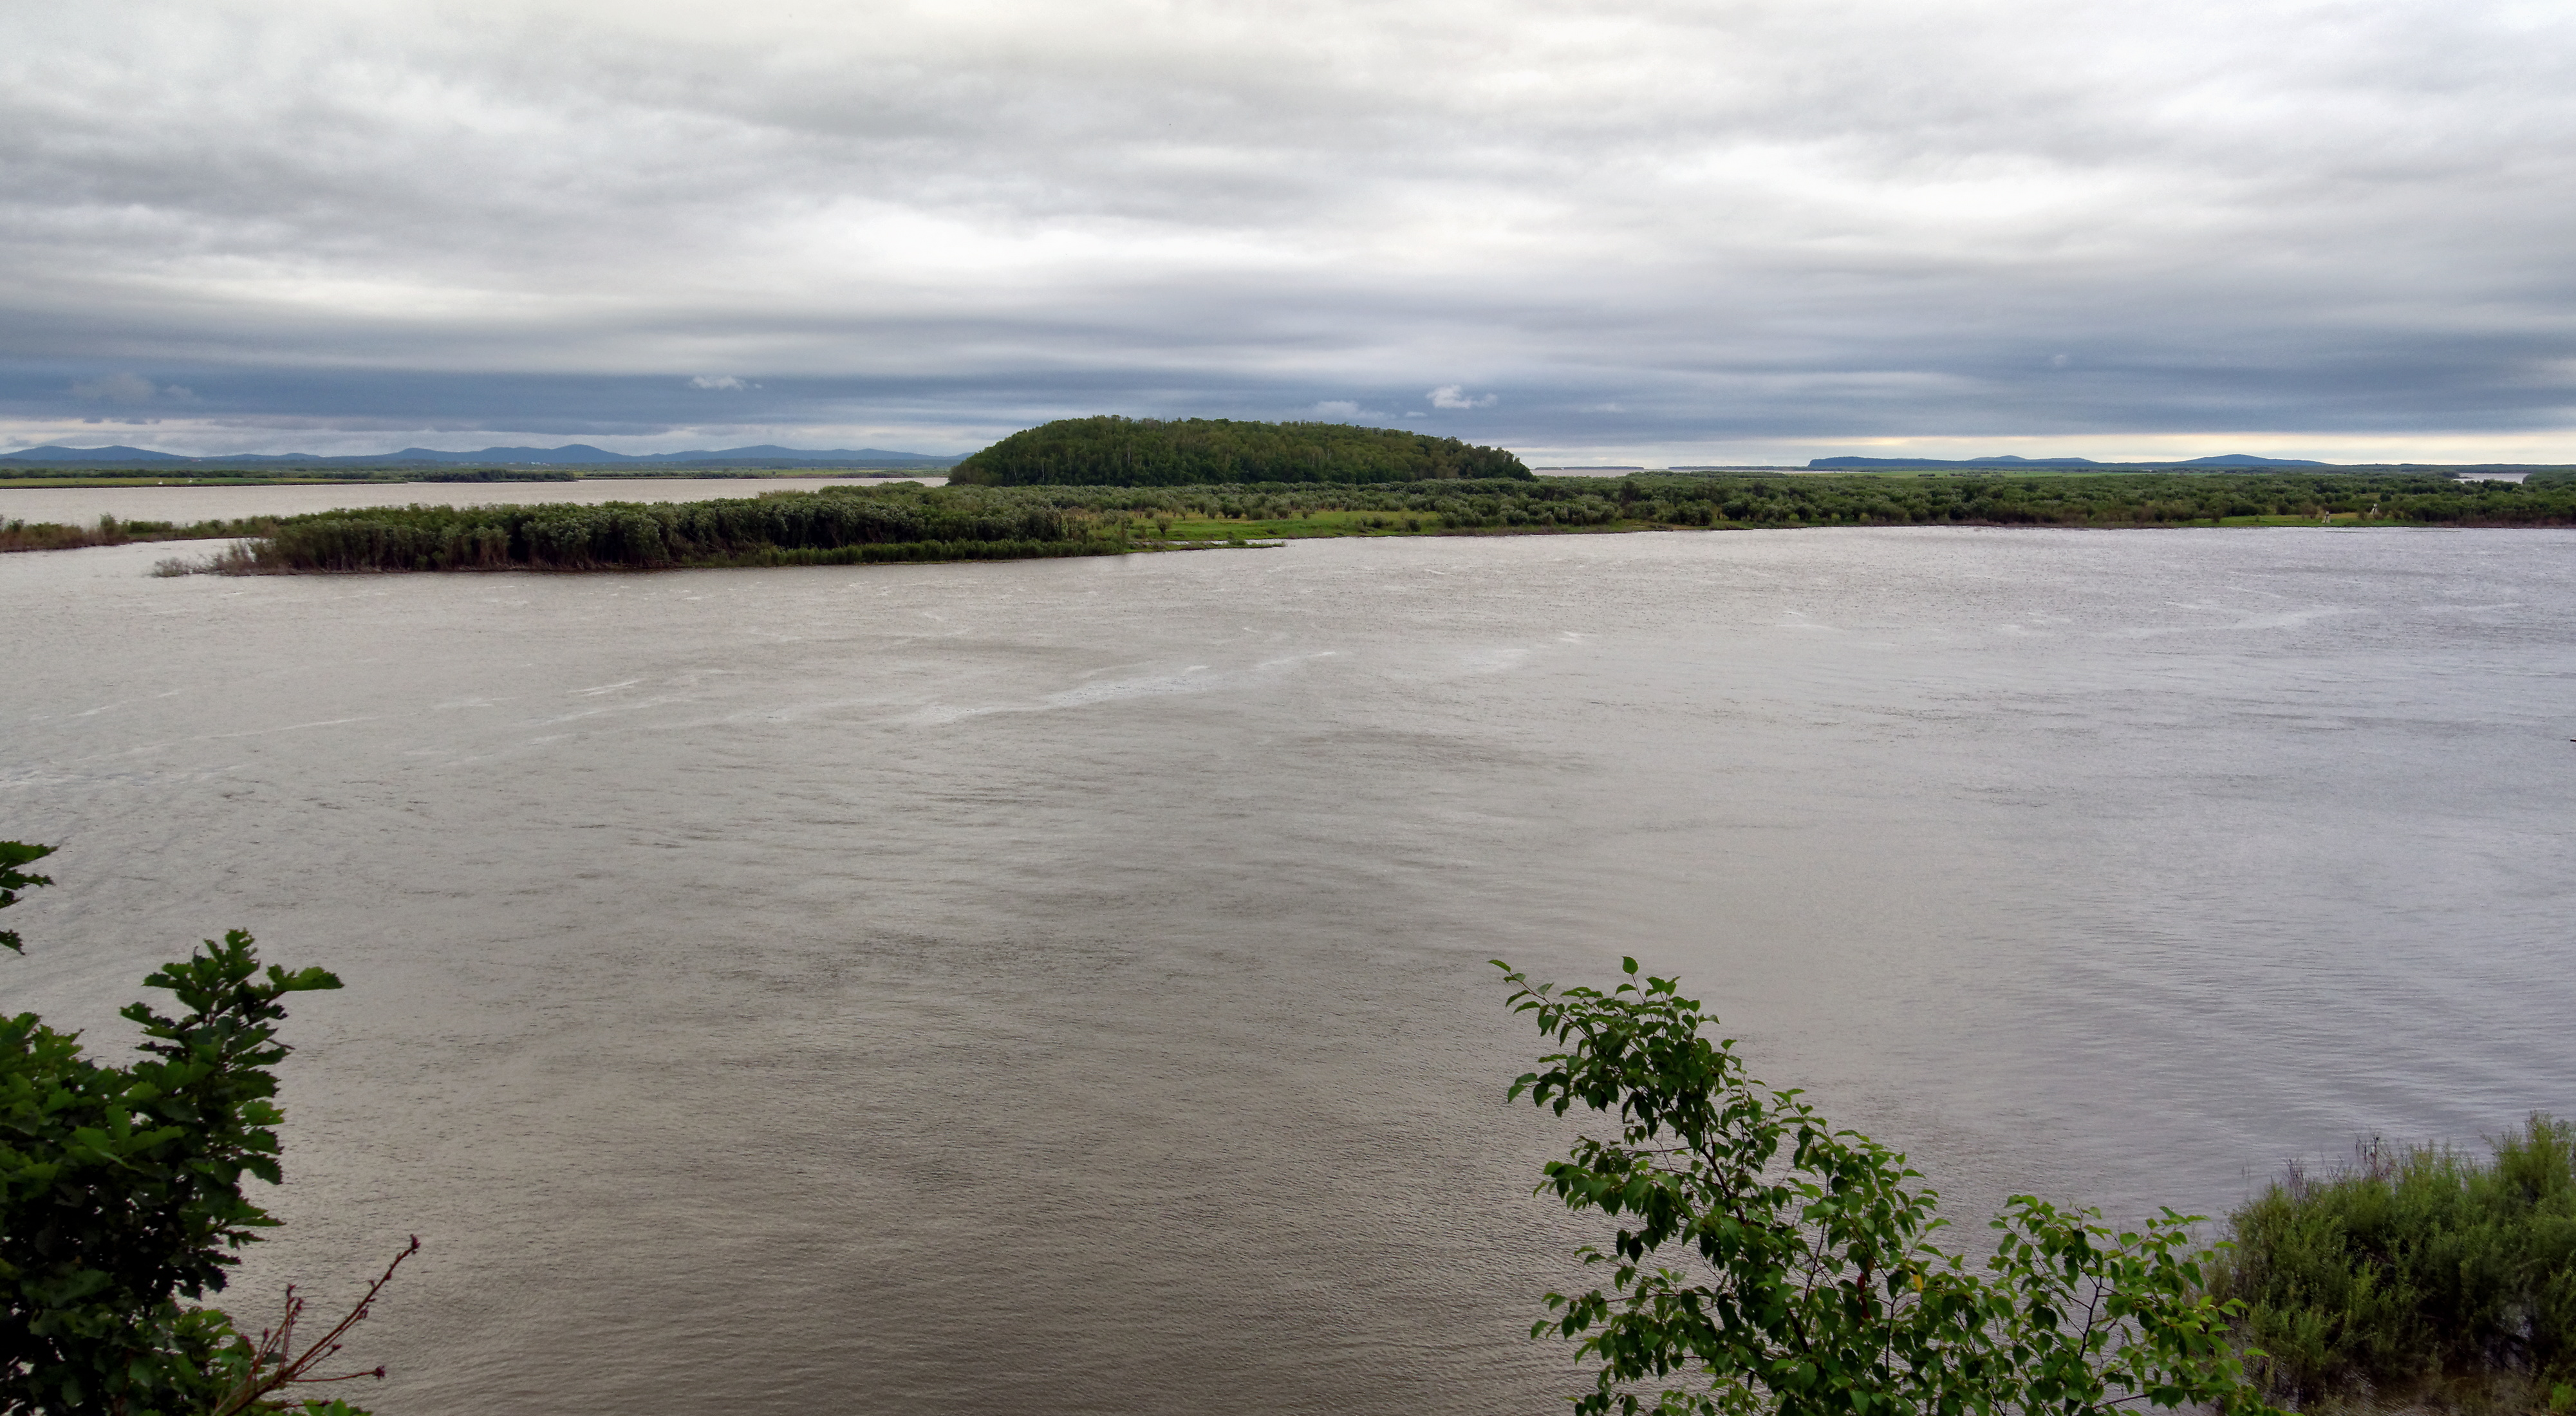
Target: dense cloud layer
[(1657, 228)]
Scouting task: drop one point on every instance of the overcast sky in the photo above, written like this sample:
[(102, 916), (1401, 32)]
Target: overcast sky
[(1640, 232)]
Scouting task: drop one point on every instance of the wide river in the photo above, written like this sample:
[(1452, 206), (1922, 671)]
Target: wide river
[(1062, 986)]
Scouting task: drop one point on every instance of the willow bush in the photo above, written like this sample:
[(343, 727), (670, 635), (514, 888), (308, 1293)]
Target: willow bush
[(2418, 1272)]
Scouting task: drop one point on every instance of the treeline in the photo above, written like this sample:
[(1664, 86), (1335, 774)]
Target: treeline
[(2121, 499), (839, 526), (845, 523), (1113, 451)]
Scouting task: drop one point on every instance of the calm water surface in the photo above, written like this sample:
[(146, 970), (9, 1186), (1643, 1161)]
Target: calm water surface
[(1060, 986), (83, 506)]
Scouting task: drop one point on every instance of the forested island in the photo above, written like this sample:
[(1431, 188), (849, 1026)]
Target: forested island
[(1157, 452)]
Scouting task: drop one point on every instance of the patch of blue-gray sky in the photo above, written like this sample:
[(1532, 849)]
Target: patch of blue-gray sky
[(1649, 231)]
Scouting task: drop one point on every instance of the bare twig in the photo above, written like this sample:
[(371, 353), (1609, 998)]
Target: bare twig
[(274, 1363)]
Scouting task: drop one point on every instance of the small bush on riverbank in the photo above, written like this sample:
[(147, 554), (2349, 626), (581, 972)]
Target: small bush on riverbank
[(2417, 1275)]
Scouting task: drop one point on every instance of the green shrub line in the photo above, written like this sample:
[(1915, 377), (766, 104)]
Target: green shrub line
[(2418, 1275), (2130, 499), (845, 527), (976, 522)]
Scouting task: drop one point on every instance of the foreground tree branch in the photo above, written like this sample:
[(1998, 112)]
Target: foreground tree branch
[(1812, 1285)]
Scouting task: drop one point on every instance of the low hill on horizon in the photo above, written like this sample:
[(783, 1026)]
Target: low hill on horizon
[(568, 455), (1159, 452)]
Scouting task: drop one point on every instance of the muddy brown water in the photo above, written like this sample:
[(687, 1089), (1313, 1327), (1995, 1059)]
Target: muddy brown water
[(1061, 986)]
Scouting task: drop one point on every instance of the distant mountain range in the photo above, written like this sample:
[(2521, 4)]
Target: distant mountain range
[(569, 455), (2231, 459)]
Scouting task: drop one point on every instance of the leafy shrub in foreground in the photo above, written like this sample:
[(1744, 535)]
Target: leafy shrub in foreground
[(121, 1193), (1766, 1262)]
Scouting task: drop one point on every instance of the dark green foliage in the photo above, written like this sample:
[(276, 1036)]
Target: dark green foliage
[(14, 854), (120, 1187), (1628, 503), (840, 526), (2416, 1270), (2119, 499), (1766, 1262), (1152, 452)]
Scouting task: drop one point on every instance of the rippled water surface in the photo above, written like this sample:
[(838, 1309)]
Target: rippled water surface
[(1060, 986)]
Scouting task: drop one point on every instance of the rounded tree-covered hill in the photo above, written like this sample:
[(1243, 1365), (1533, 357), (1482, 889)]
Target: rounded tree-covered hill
[(1154, 452)]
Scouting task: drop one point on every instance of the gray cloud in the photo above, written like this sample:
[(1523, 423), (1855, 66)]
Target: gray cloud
[(1630, 225), (130, 388)]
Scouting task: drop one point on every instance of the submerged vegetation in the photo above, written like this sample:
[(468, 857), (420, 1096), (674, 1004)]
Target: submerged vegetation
[(2419, 1275), (1113, 451)]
